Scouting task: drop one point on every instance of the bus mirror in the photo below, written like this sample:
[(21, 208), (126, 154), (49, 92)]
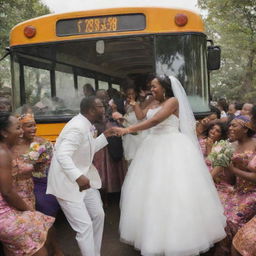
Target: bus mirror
[(213, 57)]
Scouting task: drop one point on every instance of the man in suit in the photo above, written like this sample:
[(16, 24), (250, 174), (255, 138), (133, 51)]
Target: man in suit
[(74, 180)]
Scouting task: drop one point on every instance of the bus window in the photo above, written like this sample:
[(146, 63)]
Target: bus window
[(185, 57), (65, 94), (81, 81), (103, 85), (116, 86), (37, 84)]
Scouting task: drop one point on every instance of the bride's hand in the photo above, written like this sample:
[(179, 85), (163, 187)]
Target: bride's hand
[(120, 131)]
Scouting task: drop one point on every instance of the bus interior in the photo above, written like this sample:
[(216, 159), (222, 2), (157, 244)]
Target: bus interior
[(50, 76)]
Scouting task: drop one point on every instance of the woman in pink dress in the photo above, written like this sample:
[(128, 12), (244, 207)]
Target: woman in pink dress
[(240, 202), (23, 231)]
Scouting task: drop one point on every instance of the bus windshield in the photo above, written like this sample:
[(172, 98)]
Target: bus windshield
[(49, 78)]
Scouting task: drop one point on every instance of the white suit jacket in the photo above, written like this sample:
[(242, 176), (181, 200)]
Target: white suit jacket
[(72, 157)]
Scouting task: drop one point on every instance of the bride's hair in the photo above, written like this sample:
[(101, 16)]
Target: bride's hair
[(166, 83)]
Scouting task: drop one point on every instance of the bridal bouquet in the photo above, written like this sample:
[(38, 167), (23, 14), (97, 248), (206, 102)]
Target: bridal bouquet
[(39, 152), (221, 153)]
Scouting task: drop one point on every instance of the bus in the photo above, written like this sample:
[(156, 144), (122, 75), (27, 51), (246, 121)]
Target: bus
[(54, 56)]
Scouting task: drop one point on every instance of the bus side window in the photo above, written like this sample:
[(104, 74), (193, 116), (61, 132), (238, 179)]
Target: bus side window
[(103, 85), (116, 86)]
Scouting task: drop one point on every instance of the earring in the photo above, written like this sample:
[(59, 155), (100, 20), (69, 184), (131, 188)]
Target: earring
[(164, 96)]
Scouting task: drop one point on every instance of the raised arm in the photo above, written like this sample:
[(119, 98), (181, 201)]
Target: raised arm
[(169, 107), (6, 188), (139, 112)]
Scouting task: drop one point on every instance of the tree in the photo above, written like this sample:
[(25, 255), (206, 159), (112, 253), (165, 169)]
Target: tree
[(232, 24), (13, 12)]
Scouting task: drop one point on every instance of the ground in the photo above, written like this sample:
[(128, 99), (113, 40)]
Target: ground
[(111, 245)]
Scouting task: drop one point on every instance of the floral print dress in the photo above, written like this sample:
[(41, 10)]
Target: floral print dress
[(23, 232), (239, 203), (245, 239)]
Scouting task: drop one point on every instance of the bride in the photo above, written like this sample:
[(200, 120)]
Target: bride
[(169, 204)]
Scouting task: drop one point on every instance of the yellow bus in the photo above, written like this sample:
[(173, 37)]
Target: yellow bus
[(53, 56)]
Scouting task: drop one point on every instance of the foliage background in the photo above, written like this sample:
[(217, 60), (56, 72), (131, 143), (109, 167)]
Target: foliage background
[(232, 25), (13, 12)]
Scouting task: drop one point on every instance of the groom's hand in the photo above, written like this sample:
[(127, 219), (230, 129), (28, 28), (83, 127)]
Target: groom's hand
[(109, 132), (83, 183)]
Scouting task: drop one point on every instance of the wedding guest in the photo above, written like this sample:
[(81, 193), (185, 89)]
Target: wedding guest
[(37, 151), (109, 160), (5, 104), (23, 231), (88, 90), (223, 107), (215, 132), (246, 109), (131, 141), (240, 202)]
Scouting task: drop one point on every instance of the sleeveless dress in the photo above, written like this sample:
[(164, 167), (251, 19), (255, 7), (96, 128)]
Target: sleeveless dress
[(239, 203), (169, 204)]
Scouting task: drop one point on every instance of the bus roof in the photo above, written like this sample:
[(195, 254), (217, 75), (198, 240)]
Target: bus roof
[(157, 20)]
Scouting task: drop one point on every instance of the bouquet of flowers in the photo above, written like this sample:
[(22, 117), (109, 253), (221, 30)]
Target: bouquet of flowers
[(39, 152), (221, 153)]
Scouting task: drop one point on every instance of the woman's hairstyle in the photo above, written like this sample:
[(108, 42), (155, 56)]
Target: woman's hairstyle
[(216, 111), (119, 105), (245, 122), (223, 129), (166, 83), (4, 122), (253, 112)]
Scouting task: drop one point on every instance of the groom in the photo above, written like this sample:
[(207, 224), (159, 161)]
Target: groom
[(74, 180)]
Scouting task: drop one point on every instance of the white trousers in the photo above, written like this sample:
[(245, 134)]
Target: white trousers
[(87, 219)]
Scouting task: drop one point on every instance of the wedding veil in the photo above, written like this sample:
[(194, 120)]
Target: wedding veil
[(186, 116)]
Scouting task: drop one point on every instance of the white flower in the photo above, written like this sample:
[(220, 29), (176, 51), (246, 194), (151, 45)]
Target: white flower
[(33, 155)]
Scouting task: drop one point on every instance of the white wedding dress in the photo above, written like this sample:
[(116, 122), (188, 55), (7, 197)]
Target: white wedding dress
[(169, 204)]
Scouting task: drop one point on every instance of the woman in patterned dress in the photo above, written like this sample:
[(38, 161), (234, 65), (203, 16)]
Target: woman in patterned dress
[(244, 242), (23, 231), (240, 202), (32, 188)]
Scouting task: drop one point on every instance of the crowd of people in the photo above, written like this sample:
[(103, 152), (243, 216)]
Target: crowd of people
[(171, 190)]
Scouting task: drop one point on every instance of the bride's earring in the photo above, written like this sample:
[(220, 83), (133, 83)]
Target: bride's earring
[(164, 96)]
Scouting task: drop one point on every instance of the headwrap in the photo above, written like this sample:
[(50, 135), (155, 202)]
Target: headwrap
[(27, 118), (245, 121)]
